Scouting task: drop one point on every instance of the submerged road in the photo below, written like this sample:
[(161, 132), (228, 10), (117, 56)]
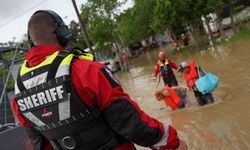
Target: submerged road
[(224, 125)]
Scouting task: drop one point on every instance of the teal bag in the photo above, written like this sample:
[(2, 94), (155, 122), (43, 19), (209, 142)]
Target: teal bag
[(207, 83)]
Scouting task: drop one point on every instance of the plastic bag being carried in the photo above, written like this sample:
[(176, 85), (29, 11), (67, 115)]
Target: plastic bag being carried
[(207, 83)]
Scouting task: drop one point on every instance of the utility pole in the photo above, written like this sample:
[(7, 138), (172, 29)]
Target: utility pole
[(211, 39), (231, 8), (83, 27)]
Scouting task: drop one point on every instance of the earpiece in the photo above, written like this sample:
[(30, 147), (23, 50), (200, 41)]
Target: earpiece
[(30, 40), (63, 33)]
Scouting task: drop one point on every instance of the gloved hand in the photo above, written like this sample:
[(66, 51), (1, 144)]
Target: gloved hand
[(184, 88), (154, 78), (182, 146)]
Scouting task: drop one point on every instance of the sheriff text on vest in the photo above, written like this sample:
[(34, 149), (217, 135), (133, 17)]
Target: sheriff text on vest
[(42, 98)]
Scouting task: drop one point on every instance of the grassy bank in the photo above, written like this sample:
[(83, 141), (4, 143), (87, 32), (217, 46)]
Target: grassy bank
[(242, 35)]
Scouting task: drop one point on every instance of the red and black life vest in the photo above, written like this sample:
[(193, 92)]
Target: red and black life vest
[(167, 73), (47, 100)]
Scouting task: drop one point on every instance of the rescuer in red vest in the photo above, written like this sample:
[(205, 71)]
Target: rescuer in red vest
[(66, 101), (165, 67), (190, 74)]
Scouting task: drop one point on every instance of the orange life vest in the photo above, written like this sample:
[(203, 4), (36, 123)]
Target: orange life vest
[(173, 100), (192, 76)]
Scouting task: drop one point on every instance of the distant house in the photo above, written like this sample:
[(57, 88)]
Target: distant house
[(226, 11), (225, 14)]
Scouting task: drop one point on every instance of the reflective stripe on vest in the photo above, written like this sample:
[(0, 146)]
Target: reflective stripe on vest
[(161, 64)]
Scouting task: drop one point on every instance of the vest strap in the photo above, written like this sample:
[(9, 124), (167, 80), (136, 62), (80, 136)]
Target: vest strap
[(19, 82), (82, 116), (56, 63)]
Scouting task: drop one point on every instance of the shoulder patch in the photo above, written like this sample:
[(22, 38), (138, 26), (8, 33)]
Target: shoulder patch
[(111, 78)]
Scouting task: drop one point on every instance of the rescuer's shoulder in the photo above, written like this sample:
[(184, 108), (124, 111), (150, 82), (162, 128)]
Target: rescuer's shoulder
[(81, 64), (84, 60)]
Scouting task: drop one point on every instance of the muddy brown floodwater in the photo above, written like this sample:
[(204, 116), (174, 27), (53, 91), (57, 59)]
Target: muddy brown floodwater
[(224, 125)]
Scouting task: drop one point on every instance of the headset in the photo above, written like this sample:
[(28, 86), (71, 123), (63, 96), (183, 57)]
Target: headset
[(63, 33)]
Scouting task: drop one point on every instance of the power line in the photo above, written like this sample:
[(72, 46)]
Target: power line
[(38, 4)]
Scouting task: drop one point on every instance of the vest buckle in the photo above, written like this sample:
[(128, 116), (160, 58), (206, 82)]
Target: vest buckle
[(68, 142), (95, 113)]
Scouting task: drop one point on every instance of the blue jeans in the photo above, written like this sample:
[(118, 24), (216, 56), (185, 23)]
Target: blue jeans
[(183, 97)]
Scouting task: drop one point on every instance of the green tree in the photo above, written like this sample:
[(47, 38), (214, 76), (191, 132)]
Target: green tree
[(127, 27), (100, 16), (171, 13), (135, 24)]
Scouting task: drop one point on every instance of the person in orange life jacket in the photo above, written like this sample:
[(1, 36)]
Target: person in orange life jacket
[(190, 74), (67, 107), (162, 93)]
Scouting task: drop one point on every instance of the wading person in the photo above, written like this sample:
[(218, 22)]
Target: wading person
[(173, 97), (190, 74), (66, 101), (164, 67), (185, 39)]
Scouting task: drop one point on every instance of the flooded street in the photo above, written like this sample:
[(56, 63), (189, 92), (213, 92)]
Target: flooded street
[(223, 125)]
